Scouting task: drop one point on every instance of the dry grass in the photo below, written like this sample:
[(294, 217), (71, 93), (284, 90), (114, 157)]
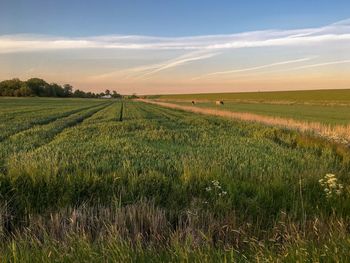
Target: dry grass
[(145, 224), (338, 133)]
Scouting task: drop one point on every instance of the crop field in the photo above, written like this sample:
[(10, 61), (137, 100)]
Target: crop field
[(302, 96), (125, 181), (326, 114), (328, 107), (18, 114)]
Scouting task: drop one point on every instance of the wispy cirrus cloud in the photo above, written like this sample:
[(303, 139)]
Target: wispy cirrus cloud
[(227, 72), (272, 65), (146, 71), (323, 64), (194, 56), (339, 31)]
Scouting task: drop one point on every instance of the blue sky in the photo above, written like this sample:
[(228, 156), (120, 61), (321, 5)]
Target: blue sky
[(164, 18), (178, 46)]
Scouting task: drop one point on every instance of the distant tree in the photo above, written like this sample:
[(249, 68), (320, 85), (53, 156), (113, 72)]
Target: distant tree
[(57, 90), (133, 96), (38, 86), (116, 95), (79, 94), (90, 95), (24, 91), (67, 90), (50, 91), (108, 92), (9, 87)]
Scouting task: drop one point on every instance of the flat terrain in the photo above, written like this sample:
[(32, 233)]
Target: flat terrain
[(328, 107), (78, 182), (326, 114), (17, 114), (317, 96)]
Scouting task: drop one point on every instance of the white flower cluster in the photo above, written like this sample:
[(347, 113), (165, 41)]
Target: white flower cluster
[(216, 188), (331, 185)]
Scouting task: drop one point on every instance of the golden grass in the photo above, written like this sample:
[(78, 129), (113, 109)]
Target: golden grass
[(338, 133)]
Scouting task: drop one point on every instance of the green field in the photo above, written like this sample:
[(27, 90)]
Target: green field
[(330, 107), (326, 114), (316, 96), (17, 114), (78, 183)]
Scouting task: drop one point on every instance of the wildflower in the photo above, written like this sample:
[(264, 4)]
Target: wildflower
[(216, 183), (331, 185), (216, 189)]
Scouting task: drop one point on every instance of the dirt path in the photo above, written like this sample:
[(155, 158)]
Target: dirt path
[(337, 133)]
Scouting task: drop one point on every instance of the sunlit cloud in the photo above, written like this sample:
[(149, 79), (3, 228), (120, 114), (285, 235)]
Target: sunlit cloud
[(147, 64), (336, 32), (181, 61), (146, 71)]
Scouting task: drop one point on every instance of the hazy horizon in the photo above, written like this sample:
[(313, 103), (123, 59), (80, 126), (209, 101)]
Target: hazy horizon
[(175, 48)]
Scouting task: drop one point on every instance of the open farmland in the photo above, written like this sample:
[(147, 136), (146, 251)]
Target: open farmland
[(329, 107), (17, 114), (163, 185), (326, 114), (301, 96)]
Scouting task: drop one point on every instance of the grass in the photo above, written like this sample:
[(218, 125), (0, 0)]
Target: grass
[(316, 96), (18, 114), (329, 107), (164, 185), (325, 114)]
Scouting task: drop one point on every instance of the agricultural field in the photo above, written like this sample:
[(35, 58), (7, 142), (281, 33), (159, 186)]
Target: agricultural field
[(328, 107), (127, 181), (334, 114), (301, 96), (17, 114)]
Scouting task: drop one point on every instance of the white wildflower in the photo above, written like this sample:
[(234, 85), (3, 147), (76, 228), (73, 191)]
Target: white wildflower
[(331, 185)]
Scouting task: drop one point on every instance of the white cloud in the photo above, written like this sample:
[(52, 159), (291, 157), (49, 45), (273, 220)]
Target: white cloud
[(253, 68), (181, 61), (336, 32), (145, 71), (321, 64)]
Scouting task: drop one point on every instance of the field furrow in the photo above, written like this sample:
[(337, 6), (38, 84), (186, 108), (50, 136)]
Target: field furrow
[(12, 124), (39, 135)]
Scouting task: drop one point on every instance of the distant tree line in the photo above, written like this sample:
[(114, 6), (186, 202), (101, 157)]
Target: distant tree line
[(40, 88)]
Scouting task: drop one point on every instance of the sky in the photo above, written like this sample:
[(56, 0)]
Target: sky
[(182, 46)]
